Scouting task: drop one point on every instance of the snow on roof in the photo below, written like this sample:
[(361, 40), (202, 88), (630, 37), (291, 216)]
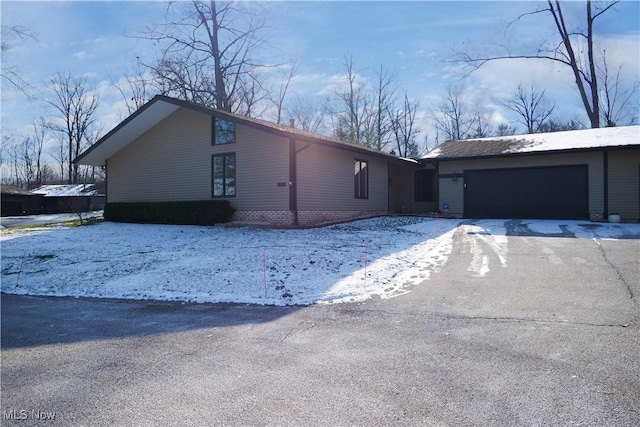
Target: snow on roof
[(539, 142), (66, 190)]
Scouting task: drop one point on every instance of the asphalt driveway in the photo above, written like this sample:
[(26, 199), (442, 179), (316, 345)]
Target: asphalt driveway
[(519, 328)]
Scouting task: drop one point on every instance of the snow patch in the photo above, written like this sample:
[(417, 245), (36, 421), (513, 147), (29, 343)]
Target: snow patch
[(381, 257)]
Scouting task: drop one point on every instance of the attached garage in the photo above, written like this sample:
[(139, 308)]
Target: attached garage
[(584, 174), (532, 193)]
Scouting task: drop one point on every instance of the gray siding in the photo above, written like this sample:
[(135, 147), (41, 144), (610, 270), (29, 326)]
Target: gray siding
[(262, 161), (326, 180), (400, 188), (452, 192), (624, 182), (172, 162)]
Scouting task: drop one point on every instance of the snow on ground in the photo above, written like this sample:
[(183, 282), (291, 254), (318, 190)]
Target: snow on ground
[(52, 218), (356, 261), (219, 264)]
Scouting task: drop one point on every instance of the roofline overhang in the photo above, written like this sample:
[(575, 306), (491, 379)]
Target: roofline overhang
[(535, 153), (160, 107)]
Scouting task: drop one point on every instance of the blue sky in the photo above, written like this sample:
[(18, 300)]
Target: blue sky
[(414, 39)]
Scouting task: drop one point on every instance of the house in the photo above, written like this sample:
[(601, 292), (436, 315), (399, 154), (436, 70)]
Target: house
[(172, 150), (49, 199), (69, 198), (18, 201), (582, 174)]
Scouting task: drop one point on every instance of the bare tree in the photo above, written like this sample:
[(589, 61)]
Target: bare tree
[(557, 125), (385, 98), (28, 161), (11, 74), (207, 55), (404, 129), (277, 99), (616, 106), (452, 117), (10, 159), (354, 112), (23, 157), (530, 106), (39, 138), (26, 154), (136, 90), (364, 112), (567, 50), (15, 155), (481, 127), (61, 157), (431, 142), (309, 112), (504, 129), (74, 109)]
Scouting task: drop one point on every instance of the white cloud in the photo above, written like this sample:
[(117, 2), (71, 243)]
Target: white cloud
[(80, 55), (97, 40)]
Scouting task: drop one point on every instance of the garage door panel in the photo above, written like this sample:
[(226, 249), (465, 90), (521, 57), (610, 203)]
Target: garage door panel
[(541, 192)]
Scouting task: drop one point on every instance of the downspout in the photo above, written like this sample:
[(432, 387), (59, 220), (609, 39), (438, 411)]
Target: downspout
[(293, 184), (106, 181), (293, 178), (389, 183), (436, 165), (605, 167)]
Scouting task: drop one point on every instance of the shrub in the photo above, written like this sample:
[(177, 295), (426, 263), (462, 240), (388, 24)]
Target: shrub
[(202, 212)]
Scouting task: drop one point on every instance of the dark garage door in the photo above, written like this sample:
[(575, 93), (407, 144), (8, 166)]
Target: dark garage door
[(557, 192)]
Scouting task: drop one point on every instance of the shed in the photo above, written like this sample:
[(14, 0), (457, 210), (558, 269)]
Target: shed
[(60, 198), (18, 201)]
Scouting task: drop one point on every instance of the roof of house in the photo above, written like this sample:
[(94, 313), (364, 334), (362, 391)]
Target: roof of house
[(576, 140), (161, 107), (66, 190), (12, 190)]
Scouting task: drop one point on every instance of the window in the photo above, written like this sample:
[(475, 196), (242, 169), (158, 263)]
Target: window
[(223, 131), (425, 185), (224, 175), (361, 179)]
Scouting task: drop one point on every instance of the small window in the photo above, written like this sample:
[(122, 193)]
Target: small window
[(361, 179), (223, 131), (425, 185), (223, 175)]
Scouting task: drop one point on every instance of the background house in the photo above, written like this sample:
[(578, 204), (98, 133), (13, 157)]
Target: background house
[(583, 174), (172, 150), (18, 201), (70, 198), (50, 199)]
